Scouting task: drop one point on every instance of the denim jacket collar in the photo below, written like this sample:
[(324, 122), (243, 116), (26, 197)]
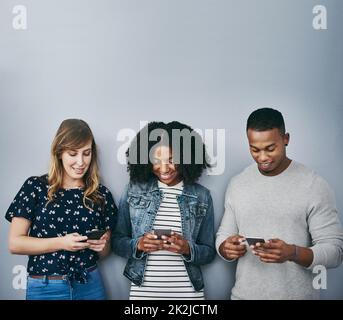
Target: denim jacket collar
[(188, 190)]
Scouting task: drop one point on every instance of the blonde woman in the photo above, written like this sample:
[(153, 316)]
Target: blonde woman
[(51, 216)]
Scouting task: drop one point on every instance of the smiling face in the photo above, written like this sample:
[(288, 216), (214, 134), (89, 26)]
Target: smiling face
[(268, 148), (163, 167), (75, 164)]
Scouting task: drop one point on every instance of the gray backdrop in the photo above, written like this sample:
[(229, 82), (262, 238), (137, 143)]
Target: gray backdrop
[(207, 63)]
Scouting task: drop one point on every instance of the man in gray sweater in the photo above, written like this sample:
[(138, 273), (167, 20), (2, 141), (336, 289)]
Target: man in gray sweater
[(289, 206)]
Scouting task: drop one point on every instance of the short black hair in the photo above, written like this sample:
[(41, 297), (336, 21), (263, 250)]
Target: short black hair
[(191, 171), (266, 119)]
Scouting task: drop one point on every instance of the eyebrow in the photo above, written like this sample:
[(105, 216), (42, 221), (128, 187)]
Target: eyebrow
[(170, 158), (75, 150), (271, 145)]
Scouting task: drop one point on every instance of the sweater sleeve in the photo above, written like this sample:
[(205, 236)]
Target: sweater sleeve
[(324, 226), (228, 225)]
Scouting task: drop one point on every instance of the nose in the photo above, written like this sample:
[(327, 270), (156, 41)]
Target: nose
[(80, 160), (164, 168), (263, 157)]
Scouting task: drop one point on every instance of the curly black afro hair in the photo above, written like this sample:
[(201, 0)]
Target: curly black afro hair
[(190, 166)]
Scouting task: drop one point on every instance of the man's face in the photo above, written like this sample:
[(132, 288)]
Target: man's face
[(268, 148)]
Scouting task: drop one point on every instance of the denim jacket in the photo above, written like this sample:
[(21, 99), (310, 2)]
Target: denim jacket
[(137, 211)]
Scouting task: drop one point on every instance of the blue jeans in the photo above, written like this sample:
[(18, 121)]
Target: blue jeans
[(47, 289)]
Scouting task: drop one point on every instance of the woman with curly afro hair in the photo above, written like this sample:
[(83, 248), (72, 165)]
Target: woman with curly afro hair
[(165, 221)]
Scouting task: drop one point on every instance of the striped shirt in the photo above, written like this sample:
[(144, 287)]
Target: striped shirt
[(165, 276)]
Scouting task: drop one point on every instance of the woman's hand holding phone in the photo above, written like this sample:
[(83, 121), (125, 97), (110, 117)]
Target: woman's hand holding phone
[(173, 242), (149, 243), (74, 242), (98, 245), (176, 243)]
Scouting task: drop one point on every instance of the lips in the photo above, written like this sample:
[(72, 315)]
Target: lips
[(78, 170), (166, 176), (266, 165)]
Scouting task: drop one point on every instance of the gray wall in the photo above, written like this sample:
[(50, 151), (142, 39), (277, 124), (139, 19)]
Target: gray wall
[(208, 63)]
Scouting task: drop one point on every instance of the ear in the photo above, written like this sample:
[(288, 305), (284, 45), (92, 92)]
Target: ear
[(286, 139)]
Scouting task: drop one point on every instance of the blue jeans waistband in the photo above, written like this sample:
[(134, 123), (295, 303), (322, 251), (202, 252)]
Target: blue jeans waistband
[(58, 277)]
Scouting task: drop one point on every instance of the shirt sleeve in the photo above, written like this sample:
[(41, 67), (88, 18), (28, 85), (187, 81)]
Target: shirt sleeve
[(24, 203), (228, 226), (324, 226), (110, 210)]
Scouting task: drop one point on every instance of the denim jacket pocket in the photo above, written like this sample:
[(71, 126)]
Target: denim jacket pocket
[(198, 209), (138, 202), (197, 213), (139, 208)]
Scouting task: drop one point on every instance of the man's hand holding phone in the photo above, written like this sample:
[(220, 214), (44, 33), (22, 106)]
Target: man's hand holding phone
[(232, 247), (274, 251)]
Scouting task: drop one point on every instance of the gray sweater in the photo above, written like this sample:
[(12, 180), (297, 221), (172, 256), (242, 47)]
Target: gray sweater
[(296, 206)]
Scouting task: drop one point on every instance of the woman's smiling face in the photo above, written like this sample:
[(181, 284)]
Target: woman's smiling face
[(76, 162), (163, 166)]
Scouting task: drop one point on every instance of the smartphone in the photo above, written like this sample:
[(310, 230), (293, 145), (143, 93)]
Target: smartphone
[(95, 234), (252, 241), (162, 232)]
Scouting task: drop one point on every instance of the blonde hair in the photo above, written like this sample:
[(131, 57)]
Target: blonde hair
[(74, 134)]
